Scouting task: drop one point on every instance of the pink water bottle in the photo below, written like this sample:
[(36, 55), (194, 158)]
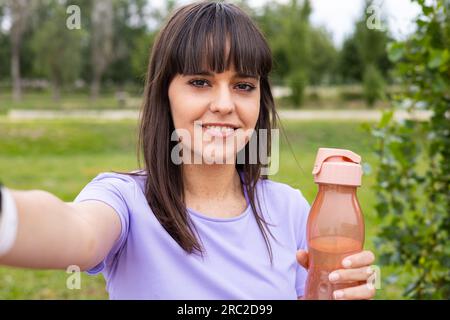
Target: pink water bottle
[(335, 226)]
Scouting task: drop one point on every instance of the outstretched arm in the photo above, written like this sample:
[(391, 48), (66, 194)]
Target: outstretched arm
[(53, 234)]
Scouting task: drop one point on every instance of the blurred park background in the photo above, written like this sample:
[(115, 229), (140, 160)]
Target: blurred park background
[(75, 57)]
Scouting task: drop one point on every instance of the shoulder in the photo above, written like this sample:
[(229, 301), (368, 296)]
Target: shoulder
[(287, 208), (121, 186), (284, 193), (135, 179), (117, 178)]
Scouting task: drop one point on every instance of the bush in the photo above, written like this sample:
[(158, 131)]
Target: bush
[(413, 180), (373, 85), (297, 82)]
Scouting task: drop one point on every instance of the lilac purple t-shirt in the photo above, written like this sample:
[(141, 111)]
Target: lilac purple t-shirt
[(146, 263)]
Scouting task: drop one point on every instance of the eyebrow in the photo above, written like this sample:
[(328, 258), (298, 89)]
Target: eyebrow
[(236, 75)]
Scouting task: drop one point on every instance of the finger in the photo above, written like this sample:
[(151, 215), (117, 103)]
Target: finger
[(362, 292), (358, 260), (345, 275), (303, 258)]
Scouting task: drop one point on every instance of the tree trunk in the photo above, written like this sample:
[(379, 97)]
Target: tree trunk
[(102, 18), (15, 72), (20, 12)]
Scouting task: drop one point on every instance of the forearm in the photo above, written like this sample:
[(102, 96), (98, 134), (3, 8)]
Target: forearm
[(50, 234)]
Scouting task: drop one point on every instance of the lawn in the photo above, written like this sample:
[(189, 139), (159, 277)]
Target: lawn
[(62, 156), (69, 101)]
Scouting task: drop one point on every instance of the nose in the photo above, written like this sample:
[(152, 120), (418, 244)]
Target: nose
[(223, 100)]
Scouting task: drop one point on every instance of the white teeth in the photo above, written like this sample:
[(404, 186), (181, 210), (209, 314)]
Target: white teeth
[(220, 128)]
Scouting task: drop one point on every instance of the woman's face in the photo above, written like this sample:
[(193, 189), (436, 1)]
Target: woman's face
[(215, 114)]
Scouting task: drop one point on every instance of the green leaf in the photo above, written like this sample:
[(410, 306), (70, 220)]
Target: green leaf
[(395, 51), (382, 209), (436, 59), (386, 118)]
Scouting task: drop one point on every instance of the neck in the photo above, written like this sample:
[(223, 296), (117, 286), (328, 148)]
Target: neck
[(214, 182)]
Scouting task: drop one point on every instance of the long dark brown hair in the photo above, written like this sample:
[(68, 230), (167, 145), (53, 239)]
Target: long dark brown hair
[(194, 38)]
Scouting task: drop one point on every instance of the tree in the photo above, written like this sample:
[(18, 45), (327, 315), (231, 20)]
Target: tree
[(20, 11), (303, 54), (131, 43), (102, 33), (323, 57), (373, 85), (365, 48), (140, 54), (413, 180), (270, 20), (350, 65), (57, 49), (5, 52), (287, 28), (132, 40), (298, 48), (371, 40)]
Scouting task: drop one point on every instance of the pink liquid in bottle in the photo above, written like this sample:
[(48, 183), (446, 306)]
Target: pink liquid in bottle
[(335, 226)]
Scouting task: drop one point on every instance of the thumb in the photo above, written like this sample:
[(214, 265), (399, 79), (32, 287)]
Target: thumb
[(303, 258)]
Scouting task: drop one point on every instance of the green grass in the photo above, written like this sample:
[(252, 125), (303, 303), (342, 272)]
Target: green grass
[(63, 156), (69, 101)]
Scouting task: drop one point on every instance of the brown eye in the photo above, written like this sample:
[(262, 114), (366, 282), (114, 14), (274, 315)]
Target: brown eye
[(199, 83), (245, 87)]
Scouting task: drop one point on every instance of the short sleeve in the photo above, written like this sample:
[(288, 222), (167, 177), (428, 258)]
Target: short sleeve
[(117, 191), (303, 211)]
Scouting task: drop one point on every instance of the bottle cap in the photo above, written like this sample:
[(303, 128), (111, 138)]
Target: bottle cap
[(337, 166)]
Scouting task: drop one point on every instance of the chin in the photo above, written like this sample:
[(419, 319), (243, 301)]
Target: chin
[(211, 160)]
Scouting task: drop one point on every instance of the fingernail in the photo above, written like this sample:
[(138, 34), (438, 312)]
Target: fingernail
[(333, 276), (369, 270), (347, 263), (338, 294)]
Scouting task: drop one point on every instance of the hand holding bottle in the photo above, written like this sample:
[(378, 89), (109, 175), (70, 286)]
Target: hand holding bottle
[(358, 269)]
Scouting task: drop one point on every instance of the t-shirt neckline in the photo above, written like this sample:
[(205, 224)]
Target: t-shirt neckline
[(217, 219)]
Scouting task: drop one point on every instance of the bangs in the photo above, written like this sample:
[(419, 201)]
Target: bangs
[(217, 36)]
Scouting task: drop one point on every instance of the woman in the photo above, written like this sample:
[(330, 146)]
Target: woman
[(194, 223)]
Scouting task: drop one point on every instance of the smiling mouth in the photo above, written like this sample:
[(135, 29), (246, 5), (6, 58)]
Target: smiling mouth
[(216, 130)]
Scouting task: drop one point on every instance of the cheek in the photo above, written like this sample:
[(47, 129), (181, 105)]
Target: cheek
[(185, 106), (248, 112)]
